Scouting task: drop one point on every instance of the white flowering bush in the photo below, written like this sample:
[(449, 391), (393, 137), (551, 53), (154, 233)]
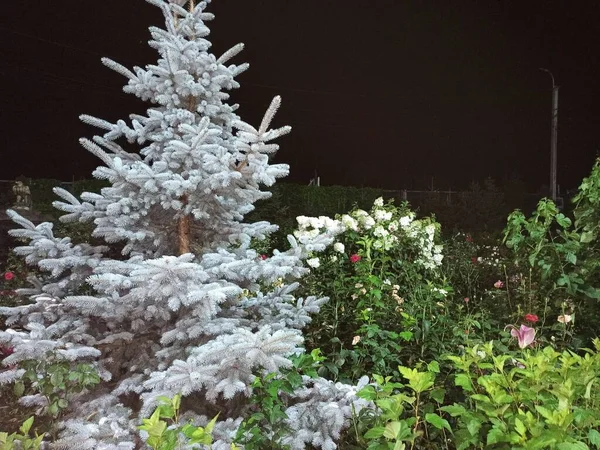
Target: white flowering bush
[(381, 269)]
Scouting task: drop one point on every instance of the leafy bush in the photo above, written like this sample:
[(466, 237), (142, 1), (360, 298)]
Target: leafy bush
[(542, 399), (21, 440), (384, 287), (54, 380), (267, 426), (406, 413), (164, 432), (556, 261)]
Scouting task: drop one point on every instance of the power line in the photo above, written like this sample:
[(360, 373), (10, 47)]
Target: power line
[(106, 89), (59, 44)]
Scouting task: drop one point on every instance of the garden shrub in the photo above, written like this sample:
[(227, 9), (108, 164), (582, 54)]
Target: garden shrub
[(385, 289), (540, 399)]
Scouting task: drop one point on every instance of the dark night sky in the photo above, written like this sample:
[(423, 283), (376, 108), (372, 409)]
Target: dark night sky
[(385, 93)]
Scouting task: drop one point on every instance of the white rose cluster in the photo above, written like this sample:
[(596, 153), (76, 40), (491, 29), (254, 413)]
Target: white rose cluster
[(381, 226)]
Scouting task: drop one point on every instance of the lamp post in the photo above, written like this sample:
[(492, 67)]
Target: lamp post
[(553, 136)]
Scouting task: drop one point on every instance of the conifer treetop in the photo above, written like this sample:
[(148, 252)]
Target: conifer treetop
[(200, 167)]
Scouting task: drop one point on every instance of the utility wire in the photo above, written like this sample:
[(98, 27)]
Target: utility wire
[(59, 44)]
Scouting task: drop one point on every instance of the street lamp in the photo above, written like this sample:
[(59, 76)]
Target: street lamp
[(553, 136)]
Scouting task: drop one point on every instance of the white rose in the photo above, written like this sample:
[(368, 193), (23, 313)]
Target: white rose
[(339, 247), (368, 222), (302, 221), (405, 221), (380, 231), (349, 222), (379, 215), (313, 262), (379, 202), (315, 222)]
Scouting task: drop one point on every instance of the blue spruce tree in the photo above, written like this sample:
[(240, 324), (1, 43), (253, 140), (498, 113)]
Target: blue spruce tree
[(189, 308)]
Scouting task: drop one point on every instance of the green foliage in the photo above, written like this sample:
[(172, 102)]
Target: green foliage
[(543, 399), (266, 426), (407, 413), (57, 380), (388, 308), (557, 258), (166, 433), (21, 440)]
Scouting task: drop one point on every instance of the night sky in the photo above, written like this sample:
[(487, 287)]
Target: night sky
[(382, 93)]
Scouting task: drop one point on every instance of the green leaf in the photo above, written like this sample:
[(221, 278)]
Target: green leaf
[(399, 445), (563, 221), (406, 335), (53, 409), (473, 426), (368, 393), (26, 426), (56, 379), (463, 381), (397, 430), (154, 426), (592, 292), (454, 410), (437, 421), (209, 427), (418, 381), (495, 435), (588, 389), (176, 403), (374, 433), (433, 366), (19, 388), (594, 437), (546, 413), (392, 430), (438, 395), (520, 427), (572, 446)]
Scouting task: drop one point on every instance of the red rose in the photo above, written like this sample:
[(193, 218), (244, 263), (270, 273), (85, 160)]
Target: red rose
[(469, 238), (474, 260), (8, 276), (466, 299), (355, 258), (263, 257), (6, 351), (531, 318)]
